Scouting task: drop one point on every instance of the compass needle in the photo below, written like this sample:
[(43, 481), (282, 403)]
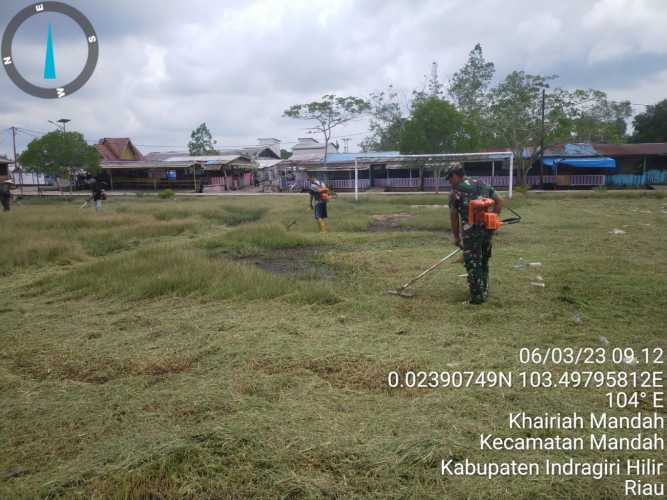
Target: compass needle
[(49, 63)]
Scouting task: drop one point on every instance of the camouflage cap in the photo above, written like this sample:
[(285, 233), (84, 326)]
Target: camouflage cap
[(455, 168)]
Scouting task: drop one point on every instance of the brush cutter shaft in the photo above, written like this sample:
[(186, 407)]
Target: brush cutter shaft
[(424, 273)]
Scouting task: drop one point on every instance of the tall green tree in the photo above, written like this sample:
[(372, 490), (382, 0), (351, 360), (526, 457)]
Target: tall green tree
[(386, 123), (594, 118), (328, 113), (514, 114), (651, 125), (435, 126), (59, 153), (201, 141), (468, 87)]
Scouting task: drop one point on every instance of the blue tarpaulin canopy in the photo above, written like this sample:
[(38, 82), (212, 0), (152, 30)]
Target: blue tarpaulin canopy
[(597, 162)]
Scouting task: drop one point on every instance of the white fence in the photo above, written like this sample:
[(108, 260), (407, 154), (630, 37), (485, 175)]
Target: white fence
[(430, 182), (348, 184)]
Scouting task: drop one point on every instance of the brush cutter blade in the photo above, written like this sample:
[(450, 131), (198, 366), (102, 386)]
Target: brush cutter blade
[(401, 293), (288, 226)]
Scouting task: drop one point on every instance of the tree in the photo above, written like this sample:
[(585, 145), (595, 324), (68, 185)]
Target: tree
[(57, 153), (435, 126), (386, 122), (201, 141), (469, 85), (570, 116), (651, 125), (328, 113), (593, 118), (284, 154), (514, 114), (468, 89)]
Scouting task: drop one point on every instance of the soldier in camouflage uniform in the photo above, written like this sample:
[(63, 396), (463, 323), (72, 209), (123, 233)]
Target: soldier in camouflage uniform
[(475, 240)]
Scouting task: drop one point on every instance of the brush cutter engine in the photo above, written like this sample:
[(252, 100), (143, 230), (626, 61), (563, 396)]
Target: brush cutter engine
[(480, 213)]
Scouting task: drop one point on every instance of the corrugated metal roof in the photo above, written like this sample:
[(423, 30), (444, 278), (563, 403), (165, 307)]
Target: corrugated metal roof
[(591, 150), (641, 149), (137, 165), (580, 162), (155, 155), (393, 159), (578, 149), (205, 159), (267, 163), (350, 157)]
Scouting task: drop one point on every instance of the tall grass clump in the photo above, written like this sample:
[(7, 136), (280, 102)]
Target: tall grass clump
[(168, 271), (98, 243), (252, 239), (234, 216), (33, 249)]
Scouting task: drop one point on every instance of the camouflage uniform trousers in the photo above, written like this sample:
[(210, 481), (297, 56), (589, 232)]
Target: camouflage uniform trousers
[(476, 255)]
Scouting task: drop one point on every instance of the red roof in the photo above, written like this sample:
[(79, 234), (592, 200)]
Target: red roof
[(111, 149), (642, 149)]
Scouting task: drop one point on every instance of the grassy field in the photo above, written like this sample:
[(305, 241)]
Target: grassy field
[(222, 348)]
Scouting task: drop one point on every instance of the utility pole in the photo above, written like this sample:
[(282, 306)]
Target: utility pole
[(542, 146), (16, 165)]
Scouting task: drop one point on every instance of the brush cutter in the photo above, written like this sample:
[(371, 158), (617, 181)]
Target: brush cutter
[(401, 291), (492, 223)]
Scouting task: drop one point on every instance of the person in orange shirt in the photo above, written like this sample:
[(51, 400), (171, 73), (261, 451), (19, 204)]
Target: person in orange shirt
[(319, 196)]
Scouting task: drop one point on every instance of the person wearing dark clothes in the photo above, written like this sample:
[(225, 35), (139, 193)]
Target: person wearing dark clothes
[(5, 195), (474, 239), (97, 194)]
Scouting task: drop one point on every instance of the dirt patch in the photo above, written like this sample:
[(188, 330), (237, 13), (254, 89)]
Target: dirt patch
[(388, 222), (301, 263)]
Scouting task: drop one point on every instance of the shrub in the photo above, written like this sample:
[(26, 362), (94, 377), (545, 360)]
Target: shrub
[(600, 189), (166, 194), (522, 189)]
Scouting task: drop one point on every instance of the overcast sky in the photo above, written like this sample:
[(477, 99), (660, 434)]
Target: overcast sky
[(166, 66)]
